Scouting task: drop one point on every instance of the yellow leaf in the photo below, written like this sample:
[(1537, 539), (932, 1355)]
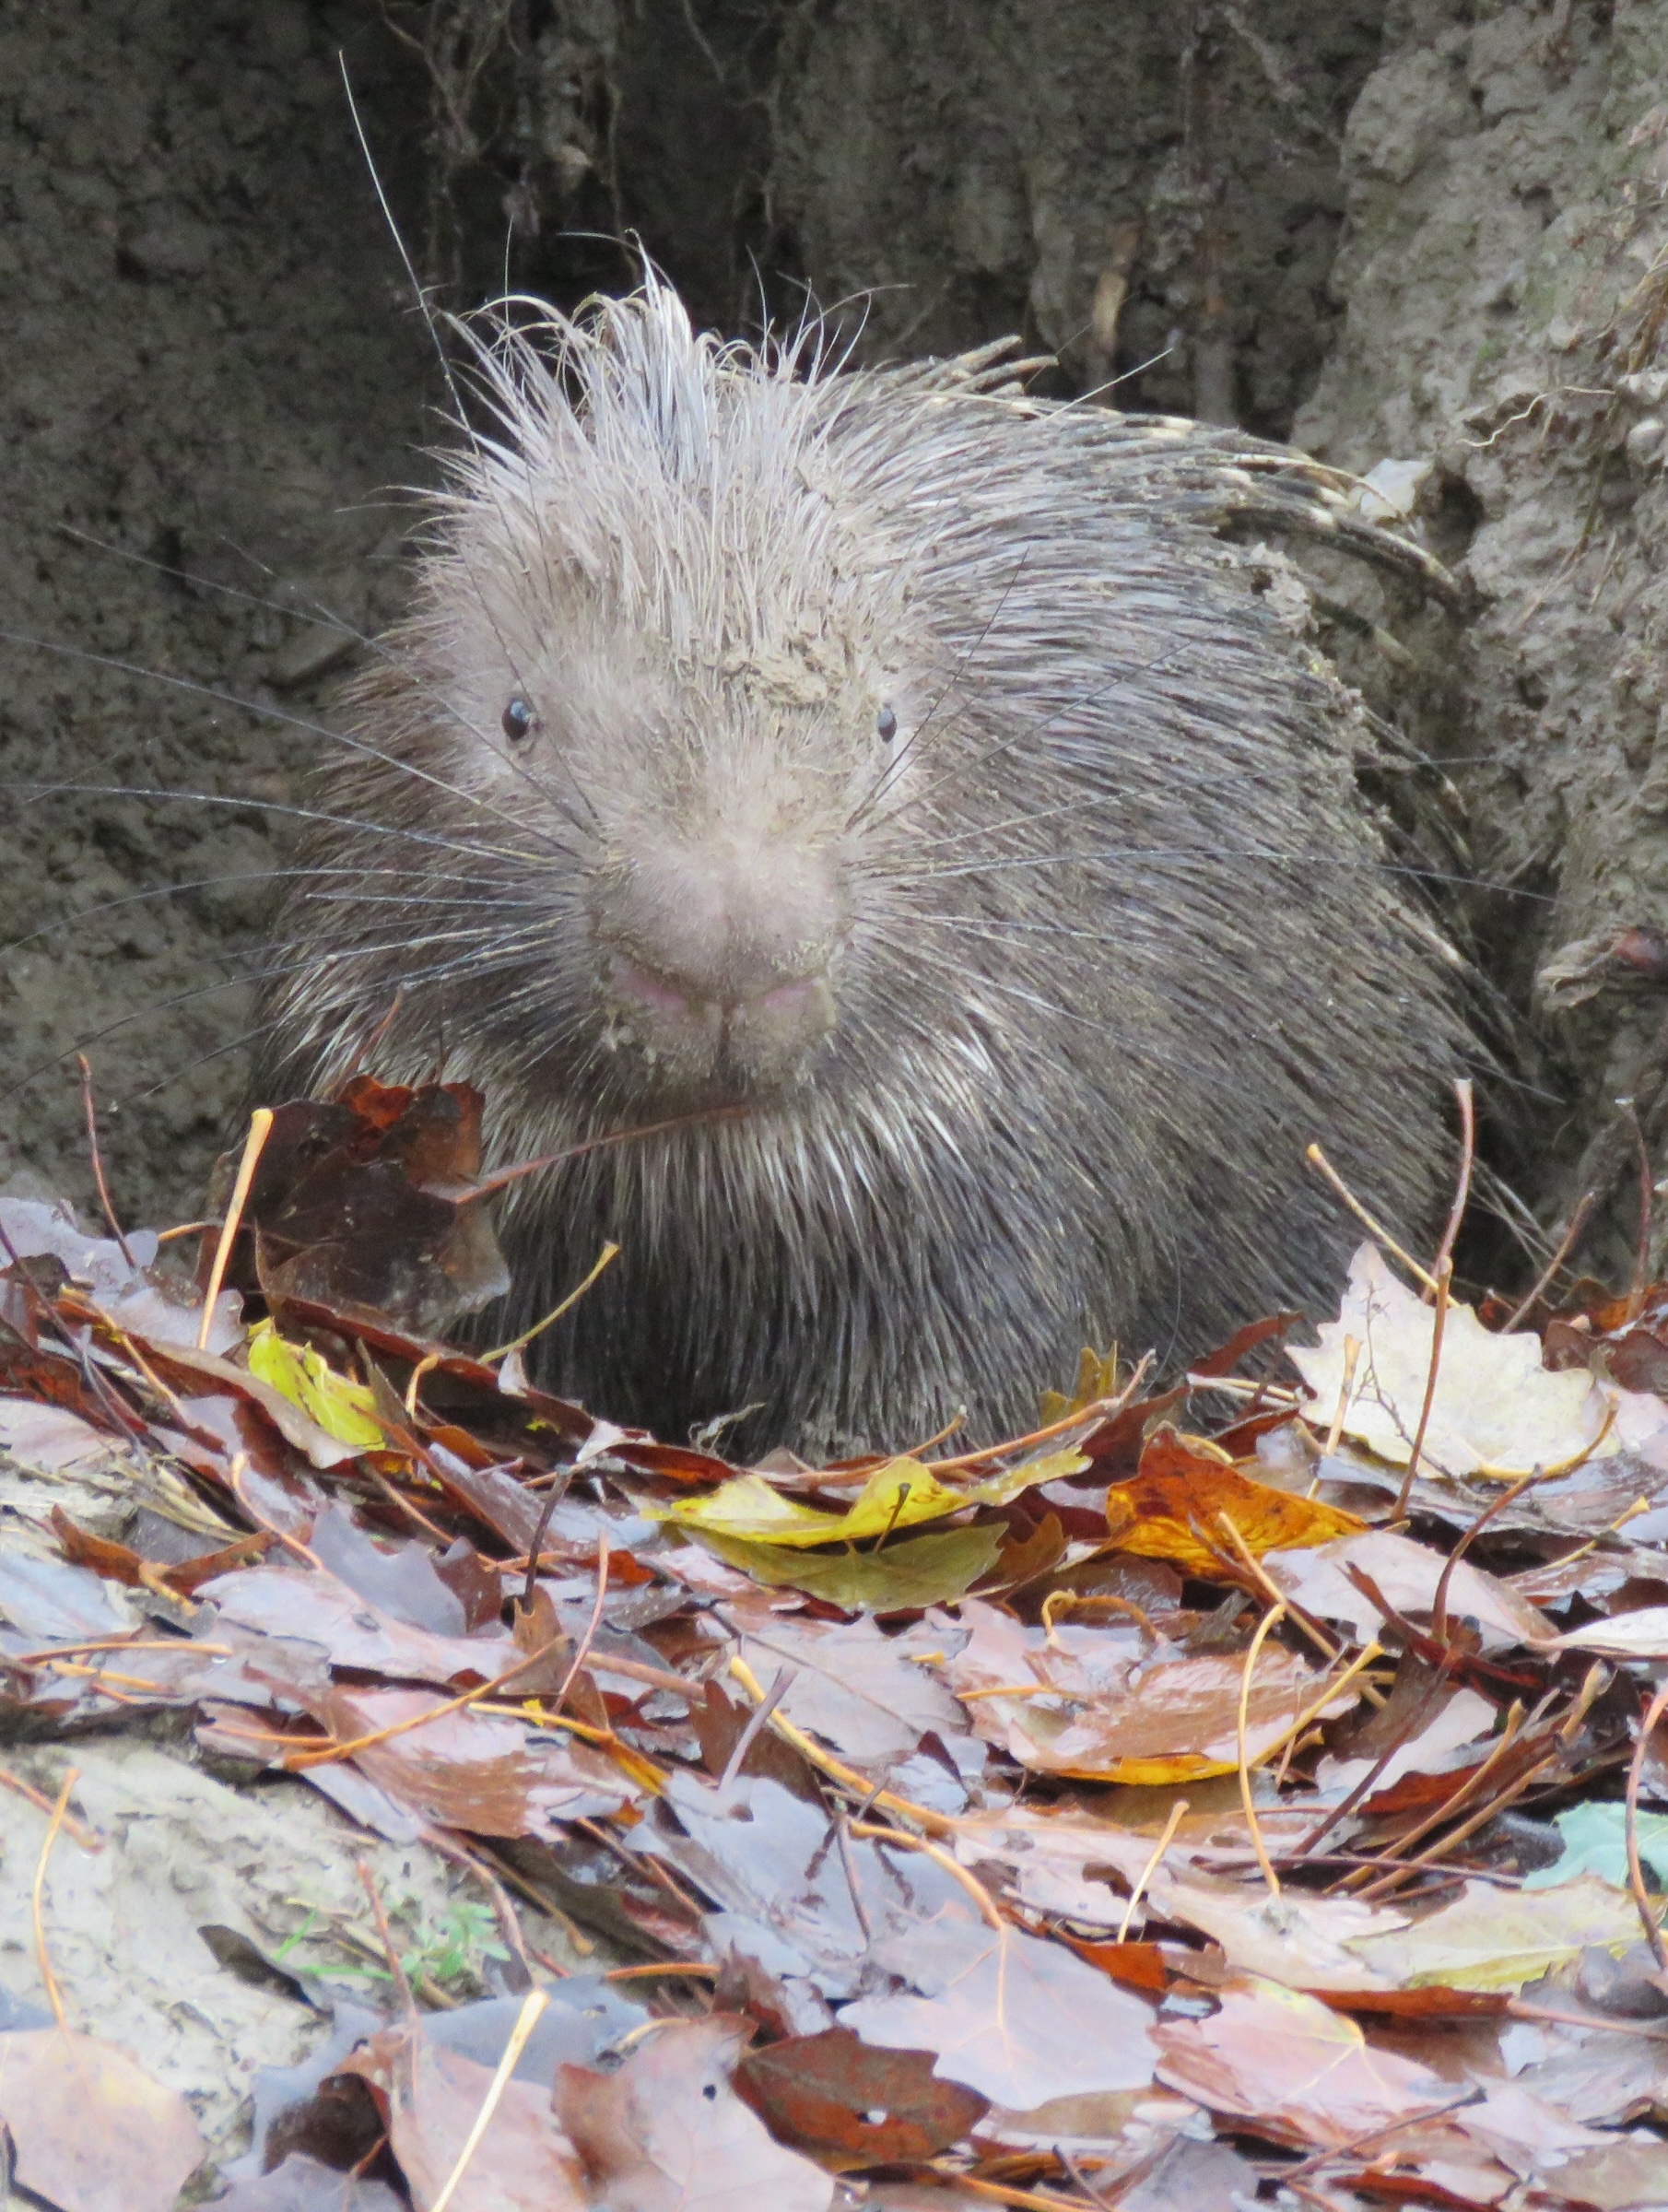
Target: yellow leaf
[(341, 1407), (926, 1570), (901, 1494), (1097, 1378)]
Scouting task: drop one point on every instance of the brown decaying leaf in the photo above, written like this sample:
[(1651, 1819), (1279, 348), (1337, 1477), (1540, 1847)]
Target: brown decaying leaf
[(362, 1204), (473, 1770), (668, 2133), (93, 2132), (852, 2106), (430, 2097), (1108, 1703), (1018, 2018), (1293, 2070)]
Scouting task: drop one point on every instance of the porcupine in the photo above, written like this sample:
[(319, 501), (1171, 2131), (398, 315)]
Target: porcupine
[(900, 759)]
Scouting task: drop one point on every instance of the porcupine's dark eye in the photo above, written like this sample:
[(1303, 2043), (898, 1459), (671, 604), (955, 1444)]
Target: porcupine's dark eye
[(886, 725), (518, 720)]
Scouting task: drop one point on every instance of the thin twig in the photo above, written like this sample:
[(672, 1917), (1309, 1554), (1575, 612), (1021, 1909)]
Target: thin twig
[(1151, 1868), (1468, 1152), (1439, 1849), (526, 2020), (1439, 1605), (1443, 1280), (43, 1802), (1467, 1790), (1266, 1581), (1270, 1621), (1086, 1417), (940, 1857), (1351, 1354), (583, 1652), (48, 1980), (91, 1113), (260, 1129), (809, 1749), (1642, 1258), (395, 1965), (1542, 1282), (519, 1343), (509, 1927), (756, 1720), (1317, 1159), (553, 1498), (1636, 1872)]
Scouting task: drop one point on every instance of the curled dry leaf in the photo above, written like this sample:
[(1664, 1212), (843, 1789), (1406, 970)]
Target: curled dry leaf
[(1496, 1411), (364, 1204)]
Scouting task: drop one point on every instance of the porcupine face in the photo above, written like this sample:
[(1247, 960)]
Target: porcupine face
[(652, 712), (681, 781)]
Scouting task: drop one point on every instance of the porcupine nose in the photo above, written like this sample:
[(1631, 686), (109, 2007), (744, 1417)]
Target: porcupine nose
[(717, 955)]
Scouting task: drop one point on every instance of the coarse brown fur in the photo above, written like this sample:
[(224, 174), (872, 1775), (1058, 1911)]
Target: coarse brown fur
[(900, 759)]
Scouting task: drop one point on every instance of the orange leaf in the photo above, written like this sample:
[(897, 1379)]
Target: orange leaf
[(1169, 1508)]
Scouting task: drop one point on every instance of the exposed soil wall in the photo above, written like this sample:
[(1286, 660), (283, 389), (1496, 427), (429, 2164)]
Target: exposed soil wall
[(1426, 233)]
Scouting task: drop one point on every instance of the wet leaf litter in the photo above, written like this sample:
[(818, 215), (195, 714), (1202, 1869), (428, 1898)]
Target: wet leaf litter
[(1250, 1787)]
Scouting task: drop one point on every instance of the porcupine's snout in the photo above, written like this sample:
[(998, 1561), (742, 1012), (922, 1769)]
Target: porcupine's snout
[(717, 955)]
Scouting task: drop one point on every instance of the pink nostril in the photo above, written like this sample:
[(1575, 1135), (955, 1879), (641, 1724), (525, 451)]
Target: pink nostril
[(632, 982), (787, 998)]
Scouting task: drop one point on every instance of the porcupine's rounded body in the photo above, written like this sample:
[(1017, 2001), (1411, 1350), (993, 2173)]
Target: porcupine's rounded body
[(901, 763)]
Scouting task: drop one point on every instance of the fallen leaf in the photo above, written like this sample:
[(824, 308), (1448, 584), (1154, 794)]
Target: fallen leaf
[(342, 1407), (903, 1577), (852, 2106), (1013, 2016), (785, 1894), (318, 1607), (899, 1494), (1173, 1508), (866, 1695), (364, 1204), (1627, 2176), (1293, 2070), (93, 2132), (430, 2097), (1406, 1574), (1495, 1410), (1304, 1942), (1107, 1703), (1595, 1841), (668, 2133), (1427, 1727), (1642, 1634), (475, 1771), (1492, 1938)]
